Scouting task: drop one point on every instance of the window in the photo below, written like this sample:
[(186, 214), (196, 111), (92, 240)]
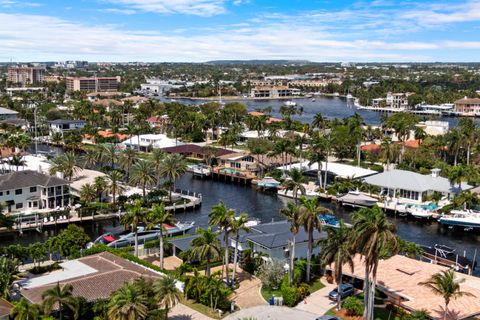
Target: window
[(8, 192), (1, 193), (19, 206), (33, 189), (18, 191), (35, 204)]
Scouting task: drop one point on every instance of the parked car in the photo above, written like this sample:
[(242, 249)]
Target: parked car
[(328, 318), (346, 289)]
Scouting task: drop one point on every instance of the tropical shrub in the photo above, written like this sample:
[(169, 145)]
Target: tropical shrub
[(303, 290), (354, 306), (271, 274), (289, 295)]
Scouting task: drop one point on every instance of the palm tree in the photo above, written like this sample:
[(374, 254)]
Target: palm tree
[(114, 184), (295, 182), (174, 165), (142, 174), (66, 164), (373, 236), (387, 148), (17, 161), (158, 216), (237, 225), (156, 160), (88, 193), (134, 215), (337, 250), (292, 213), (167, 293), (128, 158), (223, 218), (24, 310), (62, 297), (206, 247), (100, 184), (446, 284), (128, 303), (309, 211), (109, 155)]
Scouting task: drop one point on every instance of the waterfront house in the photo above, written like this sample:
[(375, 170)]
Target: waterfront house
[(147, 142), (197, 152), (31, 190), (399, 279), (468, 106), (92, 277), (413, 188), (7, 114), (397, 101), (161, 122), (245, 161), (270, 120), (61, 126)]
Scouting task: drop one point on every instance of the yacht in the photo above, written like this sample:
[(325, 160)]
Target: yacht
[(290, 104), (200, 170), (419, 212), (268, 182), (356, 198), (468, 219)]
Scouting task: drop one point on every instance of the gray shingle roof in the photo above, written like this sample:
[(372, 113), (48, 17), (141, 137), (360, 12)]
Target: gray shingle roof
[(7, 111), (28, 178), (408, 180)]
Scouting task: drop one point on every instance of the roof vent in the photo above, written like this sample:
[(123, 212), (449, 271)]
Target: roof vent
[(436, 172)]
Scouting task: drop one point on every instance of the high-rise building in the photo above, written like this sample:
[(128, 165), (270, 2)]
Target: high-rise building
[(26, 75), (93, 84)]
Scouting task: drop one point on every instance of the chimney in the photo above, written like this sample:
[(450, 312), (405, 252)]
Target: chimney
[(435, 172)]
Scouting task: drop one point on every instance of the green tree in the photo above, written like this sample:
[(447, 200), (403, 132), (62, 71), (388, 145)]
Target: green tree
[(70, 241), (37, 252), (142, 174), (133, 217), (88, 193), (309, 217), (65, 164), (206, 247), (61, 296), (447, 285), (292, 212), (156, 160), (167, 293), (373, 236), (128, 303), (295, 182), (337, 249), (24, 310), (128, 158), (114, 184), (174, 166), (157, 218), (8, 270), (237, 225)]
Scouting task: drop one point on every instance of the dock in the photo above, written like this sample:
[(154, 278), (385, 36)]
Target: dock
[(232, 175)]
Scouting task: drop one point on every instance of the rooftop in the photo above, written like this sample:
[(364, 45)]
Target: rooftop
[(5, 308), (65, 121), (7, 111), (468, 100), (193, 148), (24, 179), (338, 169), (153, 140), (400, 276), (93, 277)]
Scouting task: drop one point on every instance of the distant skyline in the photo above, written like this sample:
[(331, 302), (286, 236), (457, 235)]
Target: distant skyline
[(203, 30)]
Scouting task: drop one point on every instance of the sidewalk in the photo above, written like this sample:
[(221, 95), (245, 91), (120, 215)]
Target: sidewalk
[(318, 302), (182, 312)]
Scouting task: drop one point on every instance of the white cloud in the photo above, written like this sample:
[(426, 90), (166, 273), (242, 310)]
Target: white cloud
[(119, 11), (191, 7)]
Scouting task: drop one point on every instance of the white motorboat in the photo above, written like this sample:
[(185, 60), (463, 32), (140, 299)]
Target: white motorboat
[(268, 182), (419, 212), (200, 170), (356, 198), (290, 103), (349, 96), (461, 218)]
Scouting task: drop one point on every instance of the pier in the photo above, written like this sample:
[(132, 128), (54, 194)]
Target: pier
[(232, 175)]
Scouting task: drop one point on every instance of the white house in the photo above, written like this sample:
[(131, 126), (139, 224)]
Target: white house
[(30, 190), (7, 114), (146, 142), (61, 126)]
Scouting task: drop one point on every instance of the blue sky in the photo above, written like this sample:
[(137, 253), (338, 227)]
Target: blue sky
[(202, 30)]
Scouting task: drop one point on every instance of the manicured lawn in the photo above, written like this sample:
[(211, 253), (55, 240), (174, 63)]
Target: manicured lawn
[(316, 285), (267, 293), (203, 309)]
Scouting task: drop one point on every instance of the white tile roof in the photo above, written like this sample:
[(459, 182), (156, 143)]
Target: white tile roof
[(338, 169)]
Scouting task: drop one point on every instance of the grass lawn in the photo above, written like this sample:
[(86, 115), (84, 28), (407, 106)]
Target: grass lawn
[(202, 309), (316, 285), (267, 293), (380, 314)]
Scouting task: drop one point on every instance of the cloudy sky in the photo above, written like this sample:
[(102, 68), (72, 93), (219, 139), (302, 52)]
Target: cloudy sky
[(202, 30)]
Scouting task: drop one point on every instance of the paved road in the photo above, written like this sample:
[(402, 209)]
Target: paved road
[(272, 313)]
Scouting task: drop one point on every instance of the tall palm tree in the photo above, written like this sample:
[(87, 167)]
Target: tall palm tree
[(156, 160), (114, 184), (223, 218), (110, 155), (206, 247), (61, 296), (128, 303), (134, 215), (446, 284), (167, 293), (238, 224), (337, 249), (66, 164), (142, 174), (387, 148), (88, 193), (292, 213), (309, 211), (17, 161), (158, 217), (128, 158), (101, 185), (373, 236), (174, 166), (295, 182), (25, 310)]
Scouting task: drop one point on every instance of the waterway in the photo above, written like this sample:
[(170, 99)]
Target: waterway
[(265, 207), (329, 107)]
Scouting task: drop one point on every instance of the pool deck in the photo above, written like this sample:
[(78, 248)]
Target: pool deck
[(232, 175)]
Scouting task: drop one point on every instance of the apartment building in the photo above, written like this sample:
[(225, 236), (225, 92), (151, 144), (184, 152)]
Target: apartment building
[(25, 74), (312, 83), (92, 83), (30, 190), (393, 101), (468, 106), (271, 92)]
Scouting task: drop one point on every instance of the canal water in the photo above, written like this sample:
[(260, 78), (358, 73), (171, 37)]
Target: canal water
[(265, 207), (329, 107)]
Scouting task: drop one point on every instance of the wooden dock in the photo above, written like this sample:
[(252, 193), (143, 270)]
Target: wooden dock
[(228, 175)]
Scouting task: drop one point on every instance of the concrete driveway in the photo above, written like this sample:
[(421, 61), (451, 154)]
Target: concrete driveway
[(318, 302)]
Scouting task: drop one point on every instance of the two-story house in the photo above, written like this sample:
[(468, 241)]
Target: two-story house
[(61, 126), (31, 190)]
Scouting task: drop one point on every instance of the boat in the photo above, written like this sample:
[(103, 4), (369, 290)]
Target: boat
[(446, 256), (127, 237), (313, 100), (200, 170), (290, 103), (420, 212), (328, 220), (268, 182), (349, 96), (461, 218), (356, 198)]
